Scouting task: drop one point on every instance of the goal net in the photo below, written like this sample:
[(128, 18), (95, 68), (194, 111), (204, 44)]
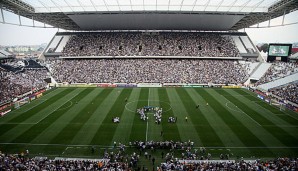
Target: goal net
[(280, 105), (21, 102)]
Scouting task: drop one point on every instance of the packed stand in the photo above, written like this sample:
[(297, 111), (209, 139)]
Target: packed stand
[(151, 44), (288, 92), (276, 164), (119, 161), (22, 162), (148, 71), (32, 64), (278, 70), (162, 144), (13, 84)]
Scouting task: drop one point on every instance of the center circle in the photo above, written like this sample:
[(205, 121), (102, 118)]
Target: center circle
[(133, 105)]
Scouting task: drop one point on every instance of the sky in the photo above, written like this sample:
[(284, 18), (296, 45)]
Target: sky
[(22, 35)]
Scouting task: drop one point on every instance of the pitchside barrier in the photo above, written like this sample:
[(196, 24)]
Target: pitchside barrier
[(21, 102), (148, 85), (5, 106), (27, 98), (205, 161), (276, 101)]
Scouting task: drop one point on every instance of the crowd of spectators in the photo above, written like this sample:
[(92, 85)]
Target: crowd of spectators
[(276, 164), (13, 84), (151, 44), (142, 145), (278, 70), (19, 162), (148, 71), (287, 92), (117, 161)]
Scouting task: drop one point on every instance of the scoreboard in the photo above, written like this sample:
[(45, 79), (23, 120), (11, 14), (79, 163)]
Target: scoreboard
[(282, 51)]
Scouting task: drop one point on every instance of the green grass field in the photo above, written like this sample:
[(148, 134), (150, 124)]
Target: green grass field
[(68, 121)]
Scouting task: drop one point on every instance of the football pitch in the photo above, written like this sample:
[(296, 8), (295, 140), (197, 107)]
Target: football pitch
[(68, 121)]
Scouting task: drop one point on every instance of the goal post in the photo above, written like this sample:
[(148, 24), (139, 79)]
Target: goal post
[(280, 105), (21, 102)]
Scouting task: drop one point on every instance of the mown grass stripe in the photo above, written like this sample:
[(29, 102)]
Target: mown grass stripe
[(286, 117), (138, 132), (124, 128), (88, 131), (203, 128), (24, 116), (251, 97), (186, 129), (66, 135), (281, 115), (223, 131), (278, 132), (107, 128), (154, 129), (35, 130), (170, 130), (262, 134), (271, 112), (33, 104), (243, 133), (250, 112)]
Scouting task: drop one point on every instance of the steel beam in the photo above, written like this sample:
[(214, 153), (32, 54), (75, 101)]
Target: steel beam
[(206, 5), (68, 5), (194, 4), (257, 5), (232, 5), (244, 5), (2, 15), (219, 5), (81, 5)]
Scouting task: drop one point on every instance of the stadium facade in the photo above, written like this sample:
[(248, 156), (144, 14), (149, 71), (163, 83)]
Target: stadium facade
[(223, 17)]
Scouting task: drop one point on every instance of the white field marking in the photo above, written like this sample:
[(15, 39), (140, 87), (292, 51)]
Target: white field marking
[(284, 126), (55, 109), (147, 130), (67, 145), (102, 146), (278, 113), (148, 96), (23, 111), (232, 108), (66, 106), (245, 114), (66, 149), (14, 123), (39, 99), (148, 117), (236, 95), (128, 109)]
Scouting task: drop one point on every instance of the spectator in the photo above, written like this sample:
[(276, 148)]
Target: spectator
[(278, 70), (287, 92), (159, 44), (148, 71)]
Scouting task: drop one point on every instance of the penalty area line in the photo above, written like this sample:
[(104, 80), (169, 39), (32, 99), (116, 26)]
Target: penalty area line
[(241, 111), (57, 109), (13, 123)]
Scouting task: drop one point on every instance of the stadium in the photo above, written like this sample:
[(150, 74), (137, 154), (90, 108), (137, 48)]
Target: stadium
[(150, 85)]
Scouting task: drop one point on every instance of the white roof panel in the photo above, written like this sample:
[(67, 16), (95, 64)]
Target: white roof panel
[(151, 5)]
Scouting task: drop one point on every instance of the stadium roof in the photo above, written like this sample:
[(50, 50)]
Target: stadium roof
[(150, 5), (219, 15)]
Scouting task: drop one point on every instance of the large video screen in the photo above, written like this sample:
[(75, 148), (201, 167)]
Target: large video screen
[(282, 50)]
